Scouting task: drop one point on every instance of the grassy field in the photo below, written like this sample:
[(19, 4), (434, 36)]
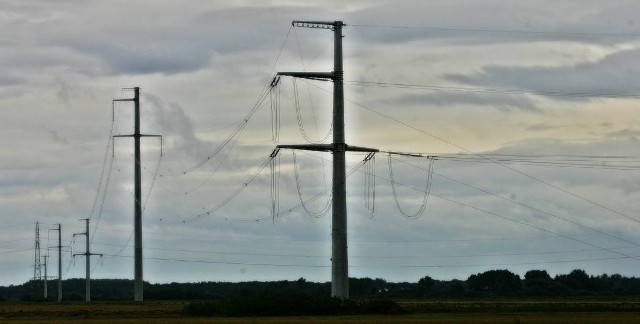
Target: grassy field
[(521, 310)]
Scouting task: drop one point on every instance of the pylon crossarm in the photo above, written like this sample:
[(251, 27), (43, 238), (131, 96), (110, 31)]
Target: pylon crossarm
[(308, 147), (316, 24), (411, 154), (324, 76), (351, 148)]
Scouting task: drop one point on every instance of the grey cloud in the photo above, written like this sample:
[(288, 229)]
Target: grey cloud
[(486, 22), (55, 136), (619, 71), (628, 134), (173, 57), (170, 118), (500, 102), (8, 80), (543, 127), (184, 44), (62, 48)]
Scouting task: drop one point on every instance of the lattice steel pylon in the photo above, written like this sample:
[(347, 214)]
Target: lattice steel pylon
[(37, 271)]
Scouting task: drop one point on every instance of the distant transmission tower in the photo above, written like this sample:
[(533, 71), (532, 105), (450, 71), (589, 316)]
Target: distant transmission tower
[(87, 255), (37, 273)]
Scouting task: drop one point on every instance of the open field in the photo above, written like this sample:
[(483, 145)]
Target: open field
[(584, 310)]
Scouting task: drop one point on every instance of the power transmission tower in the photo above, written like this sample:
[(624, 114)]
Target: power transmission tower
[(87, 254), (59, 229), (138, 292), (37, 273), (339, 255), (45, 276)]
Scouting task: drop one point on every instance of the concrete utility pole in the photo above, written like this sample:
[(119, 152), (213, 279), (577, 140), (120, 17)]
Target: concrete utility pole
[(138, 289), (87, 255), (45, 276), (59, 229), (339, 256)]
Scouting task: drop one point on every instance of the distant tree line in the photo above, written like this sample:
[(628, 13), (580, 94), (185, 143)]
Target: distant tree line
[(489, 283)]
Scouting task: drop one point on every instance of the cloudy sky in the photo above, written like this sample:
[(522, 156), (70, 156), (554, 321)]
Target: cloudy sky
[(530, 108)]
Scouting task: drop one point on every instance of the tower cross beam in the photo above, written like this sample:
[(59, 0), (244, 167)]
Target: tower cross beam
[(317, 24)]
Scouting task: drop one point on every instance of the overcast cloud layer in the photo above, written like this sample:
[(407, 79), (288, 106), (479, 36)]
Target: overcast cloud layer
[(533, 79)]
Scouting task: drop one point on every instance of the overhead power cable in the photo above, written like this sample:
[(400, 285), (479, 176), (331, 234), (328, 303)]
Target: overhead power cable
[(240, 128), (520, 222), (522, 173), (395, 265), (274, 96), (327, 206), (275, 185), (230, 197), (107, 168), (17, 240), (310, 200), (538, 210), (547, 93), (235, 133), (16, 225), (608, 162), (372, 241), (578, 164), (298, 107), (426, 191), (18, 250), (502, 31), (376, 256), (370, 183), (513, 220)]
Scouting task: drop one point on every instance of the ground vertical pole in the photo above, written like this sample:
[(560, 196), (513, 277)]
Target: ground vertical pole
[(59, 262), (87, 254), (138, 279), (339, 255), (87, 265), (59, 229), (45, 276)]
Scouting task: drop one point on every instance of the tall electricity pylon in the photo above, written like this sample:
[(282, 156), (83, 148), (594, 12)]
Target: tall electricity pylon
[(37, 272), (138, 290), (45, 277), (59, 229), (339, 255), (87, 254)]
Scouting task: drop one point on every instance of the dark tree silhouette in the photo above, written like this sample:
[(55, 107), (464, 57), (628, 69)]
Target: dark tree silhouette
[(495, 282)]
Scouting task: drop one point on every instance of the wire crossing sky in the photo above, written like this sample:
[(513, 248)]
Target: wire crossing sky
[(509, 131)]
